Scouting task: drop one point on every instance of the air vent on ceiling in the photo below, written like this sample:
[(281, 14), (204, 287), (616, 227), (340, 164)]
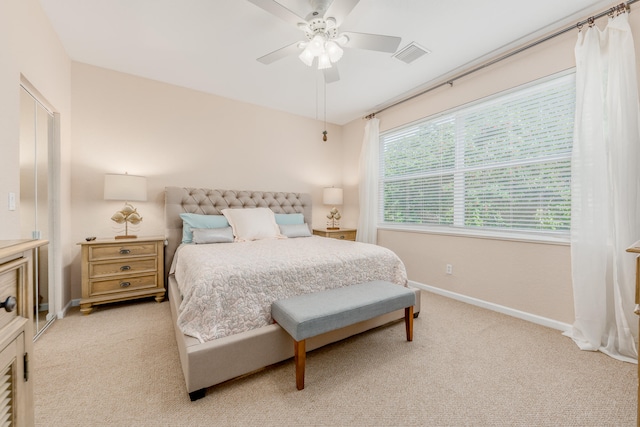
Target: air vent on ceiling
[(411, 52)]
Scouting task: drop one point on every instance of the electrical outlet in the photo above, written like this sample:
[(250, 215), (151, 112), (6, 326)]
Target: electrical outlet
[(449, 269)]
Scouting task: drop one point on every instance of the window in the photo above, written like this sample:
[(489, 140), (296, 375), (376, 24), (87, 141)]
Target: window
[(502, 164)]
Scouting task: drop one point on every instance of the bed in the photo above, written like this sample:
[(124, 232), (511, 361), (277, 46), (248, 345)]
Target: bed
[(211, 354)]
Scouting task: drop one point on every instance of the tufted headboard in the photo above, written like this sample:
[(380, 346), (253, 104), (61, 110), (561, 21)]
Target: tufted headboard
[(206, 201)]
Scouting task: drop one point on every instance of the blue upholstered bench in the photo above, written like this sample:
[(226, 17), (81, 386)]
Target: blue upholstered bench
[(308, 315)]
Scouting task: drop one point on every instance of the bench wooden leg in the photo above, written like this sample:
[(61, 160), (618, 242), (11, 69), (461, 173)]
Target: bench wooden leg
[(300, 358), (408, 322)]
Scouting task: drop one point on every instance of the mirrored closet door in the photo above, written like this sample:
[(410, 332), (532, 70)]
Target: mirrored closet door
[(36, 139)]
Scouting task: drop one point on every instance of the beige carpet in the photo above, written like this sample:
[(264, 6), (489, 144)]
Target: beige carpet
[(466, 367)]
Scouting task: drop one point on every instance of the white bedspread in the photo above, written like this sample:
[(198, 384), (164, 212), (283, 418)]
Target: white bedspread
[(228, 288)]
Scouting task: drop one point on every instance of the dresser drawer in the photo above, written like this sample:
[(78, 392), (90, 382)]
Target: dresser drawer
[(122, 267), (346, 235), (12, 276), (99, 287), (99, 252), (340, 234)]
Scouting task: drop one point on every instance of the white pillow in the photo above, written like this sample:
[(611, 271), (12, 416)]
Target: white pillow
[(252, 224)]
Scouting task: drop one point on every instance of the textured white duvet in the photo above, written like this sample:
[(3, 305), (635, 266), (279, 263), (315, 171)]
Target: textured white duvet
[(228, 288)]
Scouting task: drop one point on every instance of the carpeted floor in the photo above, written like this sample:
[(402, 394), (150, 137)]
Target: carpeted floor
[(466, 367)]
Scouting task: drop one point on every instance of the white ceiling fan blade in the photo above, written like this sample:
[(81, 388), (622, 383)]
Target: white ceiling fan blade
[(331, 74), (373, 42), (339, 9), (276, 9), (280, 53)]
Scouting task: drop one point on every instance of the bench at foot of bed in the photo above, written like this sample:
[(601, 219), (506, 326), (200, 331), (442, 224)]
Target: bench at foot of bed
[(308, 315)]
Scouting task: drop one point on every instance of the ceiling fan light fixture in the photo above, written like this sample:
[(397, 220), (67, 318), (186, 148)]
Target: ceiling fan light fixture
[(322, 34), (324, 61)]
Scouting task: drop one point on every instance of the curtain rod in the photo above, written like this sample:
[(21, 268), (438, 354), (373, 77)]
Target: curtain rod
[(590, 21)]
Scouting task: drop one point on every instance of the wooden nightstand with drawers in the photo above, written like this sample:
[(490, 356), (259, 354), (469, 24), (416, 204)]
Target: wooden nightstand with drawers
[(121, 269), (341, 233)]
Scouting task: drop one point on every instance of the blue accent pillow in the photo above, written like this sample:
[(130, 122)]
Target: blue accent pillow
[(191, 220), (289, 219), (212, 235), (295, 230)]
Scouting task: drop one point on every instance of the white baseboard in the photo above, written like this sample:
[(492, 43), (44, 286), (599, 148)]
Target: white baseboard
[(72, 303), (533, 318), (550, 323)]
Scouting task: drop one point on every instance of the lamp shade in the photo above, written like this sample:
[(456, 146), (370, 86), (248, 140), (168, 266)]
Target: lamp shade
[(129, 188), (332, 196)]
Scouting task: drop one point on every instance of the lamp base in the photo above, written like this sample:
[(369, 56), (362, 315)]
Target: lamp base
[(333, 228), (126, 236)]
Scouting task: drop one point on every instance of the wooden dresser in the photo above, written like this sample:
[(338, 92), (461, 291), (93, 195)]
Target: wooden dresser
[(16, 330), (121, 269), (341, 233)]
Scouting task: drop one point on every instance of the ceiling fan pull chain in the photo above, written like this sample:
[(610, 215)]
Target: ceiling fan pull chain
[(324, 133)]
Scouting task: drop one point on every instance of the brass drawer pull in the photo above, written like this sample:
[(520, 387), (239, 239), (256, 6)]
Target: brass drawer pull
[(125, 284), (9, 304), (125, 251), (125, 268), (342, 236)]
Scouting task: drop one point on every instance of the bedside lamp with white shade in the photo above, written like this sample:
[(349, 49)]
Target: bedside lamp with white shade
[(333, 196), (129, 188)]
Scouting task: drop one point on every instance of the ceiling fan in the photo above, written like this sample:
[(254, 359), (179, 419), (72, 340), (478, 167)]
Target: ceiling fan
[(323, 38)]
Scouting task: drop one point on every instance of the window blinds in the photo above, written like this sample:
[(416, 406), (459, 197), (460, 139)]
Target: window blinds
[(502, 163)]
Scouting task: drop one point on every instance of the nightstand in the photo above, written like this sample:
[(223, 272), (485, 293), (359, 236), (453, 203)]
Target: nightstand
[(123, 269), (341, 233)]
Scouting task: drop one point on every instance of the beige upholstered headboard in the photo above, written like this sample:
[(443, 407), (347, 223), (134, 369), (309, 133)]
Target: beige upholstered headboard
[(211, 202)]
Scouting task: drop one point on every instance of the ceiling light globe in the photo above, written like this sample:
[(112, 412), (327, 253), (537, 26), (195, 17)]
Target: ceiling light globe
[(316, 45), (334, 51), (324, 61), (306, 56)]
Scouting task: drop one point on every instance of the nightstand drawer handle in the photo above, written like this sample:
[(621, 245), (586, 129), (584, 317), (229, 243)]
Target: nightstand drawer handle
[(125, 284), (125, 268), (342, 237), (125, 251), (9, 304)]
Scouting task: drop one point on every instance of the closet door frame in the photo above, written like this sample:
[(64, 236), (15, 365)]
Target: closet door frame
[(53, 214)]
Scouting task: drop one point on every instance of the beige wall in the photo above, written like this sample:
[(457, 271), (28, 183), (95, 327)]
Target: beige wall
[(531, 277), (29, 49), (180, 137)]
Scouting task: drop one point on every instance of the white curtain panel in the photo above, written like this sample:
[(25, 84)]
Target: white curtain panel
[(605, 184), (368, 174)]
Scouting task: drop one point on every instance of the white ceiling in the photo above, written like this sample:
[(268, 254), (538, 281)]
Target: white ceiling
[(212, 45)]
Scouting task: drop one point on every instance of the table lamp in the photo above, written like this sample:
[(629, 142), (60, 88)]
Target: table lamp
[(128, 188), (333, 196)]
